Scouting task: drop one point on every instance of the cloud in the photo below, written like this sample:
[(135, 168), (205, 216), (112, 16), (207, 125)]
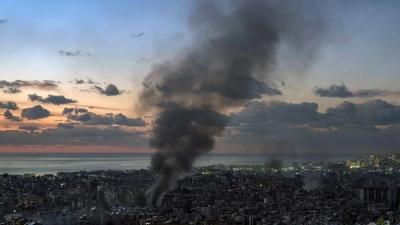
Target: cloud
[(53, 99), (47, 85), (8, 105), (277, 112), (34, 113), (12, 90), (76, 53), (137, 35), (9, 116), (3, 21), (373, 112), (110, 90), (29, 128), (67, 110), (341, 91), (333, 91), (76, 110), (81, 81), (90, 118), (65, 126), (371, 93), (266, 125), (110, 136)]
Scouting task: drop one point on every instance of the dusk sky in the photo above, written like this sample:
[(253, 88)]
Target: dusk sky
[(77, 76)]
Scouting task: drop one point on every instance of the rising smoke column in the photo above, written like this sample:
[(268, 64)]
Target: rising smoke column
[(233, 54)]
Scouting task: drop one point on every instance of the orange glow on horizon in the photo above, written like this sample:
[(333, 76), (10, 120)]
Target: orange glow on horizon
[(73, 149)]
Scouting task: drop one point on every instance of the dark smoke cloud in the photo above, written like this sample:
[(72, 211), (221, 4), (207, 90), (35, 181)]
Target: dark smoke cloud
[(9, 116), (47, 85), (3, 21), (51, 99), (274, 165), (341, 91), (35, 113), (234, 53), (310, 182), (8, 105), (12, 90), (110, 90), (168, 105), (180, 136), (29, 128)]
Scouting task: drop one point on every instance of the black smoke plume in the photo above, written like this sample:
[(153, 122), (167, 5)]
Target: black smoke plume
[(274, 165), (234, 52)]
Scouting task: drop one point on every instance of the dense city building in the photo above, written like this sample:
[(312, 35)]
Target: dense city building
[(362, 191)]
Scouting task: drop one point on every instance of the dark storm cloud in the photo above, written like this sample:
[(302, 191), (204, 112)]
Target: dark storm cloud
[(341, 91), (373, 112), (275, 111), (51, 99), (9, 116), (90, 118), (34, 113), (8, 105), (340, 128), (29, 128), (229, 64), (12, 90), (47, 85), (334, 91), (65, 126), (110, 136), (3, 21), (110, 90)]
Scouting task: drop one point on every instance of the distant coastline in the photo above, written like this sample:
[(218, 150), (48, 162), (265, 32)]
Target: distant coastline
[(51, 163)]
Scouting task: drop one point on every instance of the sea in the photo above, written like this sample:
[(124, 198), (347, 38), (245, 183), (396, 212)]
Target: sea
[(51, 163)]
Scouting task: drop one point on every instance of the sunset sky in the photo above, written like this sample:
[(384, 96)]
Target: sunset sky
[(71, 74)]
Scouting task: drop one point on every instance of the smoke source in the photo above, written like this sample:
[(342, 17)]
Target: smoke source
[(229, 64), (275, 165)]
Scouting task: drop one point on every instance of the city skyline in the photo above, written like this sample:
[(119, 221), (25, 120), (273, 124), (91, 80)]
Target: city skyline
[(72, 75)]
